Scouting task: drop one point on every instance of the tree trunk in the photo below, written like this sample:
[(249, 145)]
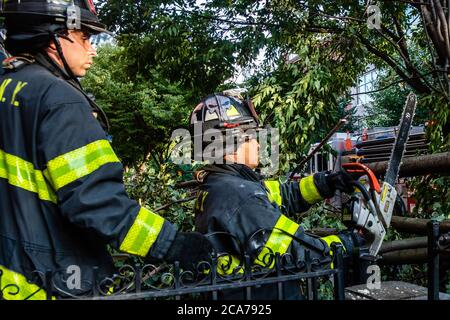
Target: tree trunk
[(416, 225), (404, 244), (410, 256), (417, 166)]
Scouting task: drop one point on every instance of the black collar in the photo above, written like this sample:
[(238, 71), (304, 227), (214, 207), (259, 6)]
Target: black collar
[(235, 169)]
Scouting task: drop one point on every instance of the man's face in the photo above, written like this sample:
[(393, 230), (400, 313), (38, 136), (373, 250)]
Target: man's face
[(79, 54), (248, 153)]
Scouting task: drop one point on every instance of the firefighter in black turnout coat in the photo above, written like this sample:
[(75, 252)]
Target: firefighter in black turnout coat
[(62, 198), (243, 213)]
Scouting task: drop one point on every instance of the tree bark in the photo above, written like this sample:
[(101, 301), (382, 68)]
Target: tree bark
[(416, 225), (433, 32), (417, 166), (409, 256), (404, 244)]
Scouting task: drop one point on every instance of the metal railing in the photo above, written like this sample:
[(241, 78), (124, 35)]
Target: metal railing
[(437, 243), (210, 280)]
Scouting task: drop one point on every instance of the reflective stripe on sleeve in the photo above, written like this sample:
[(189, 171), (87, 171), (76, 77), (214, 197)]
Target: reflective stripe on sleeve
[(227, 265), (79, 163), (278, 241), (309, 190), (274, 192), (143, 233), (15, 286), (330, 239), (22, 174)]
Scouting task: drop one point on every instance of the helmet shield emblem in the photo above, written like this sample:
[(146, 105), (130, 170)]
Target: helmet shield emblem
[(73, 18)]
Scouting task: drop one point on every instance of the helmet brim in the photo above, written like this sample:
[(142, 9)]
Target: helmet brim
[(96, 28)]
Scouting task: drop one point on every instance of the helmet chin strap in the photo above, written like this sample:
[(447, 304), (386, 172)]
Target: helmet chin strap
[(68, 70)]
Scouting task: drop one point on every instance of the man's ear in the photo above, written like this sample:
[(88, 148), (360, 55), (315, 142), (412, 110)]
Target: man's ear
[(52, 47)]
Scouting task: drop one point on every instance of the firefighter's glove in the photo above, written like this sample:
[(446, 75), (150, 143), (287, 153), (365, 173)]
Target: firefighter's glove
[(189, 248), (351, 239), (340, 180)]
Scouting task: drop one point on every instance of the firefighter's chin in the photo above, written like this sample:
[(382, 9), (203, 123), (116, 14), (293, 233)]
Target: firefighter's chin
[(81, 72)]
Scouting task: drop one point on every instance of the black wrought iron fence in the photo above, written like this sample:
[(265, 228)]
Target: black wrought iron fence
[(210, 280), (438, 243)]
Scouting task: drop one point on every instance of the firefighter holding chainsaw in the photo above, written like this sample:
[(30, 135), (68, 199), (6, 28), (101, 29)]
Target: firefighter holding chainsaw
[(241, 212), (62, 198)]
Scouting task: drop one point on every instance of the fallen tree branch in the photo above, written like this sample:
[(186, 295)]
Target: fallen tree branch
[(411, 243), (410, 256), (416, 225), (417, 166)]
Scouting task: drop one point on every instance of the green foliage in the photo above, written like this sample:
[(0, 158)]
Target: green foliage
[(168, 37), (154, 188), (143, 112), (303, 99), (432, 194), (171, 53), (388, 103), (321, 215)]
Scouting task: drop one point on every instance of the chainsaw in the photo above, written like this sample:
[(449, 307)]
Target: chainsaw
[(371, 206)]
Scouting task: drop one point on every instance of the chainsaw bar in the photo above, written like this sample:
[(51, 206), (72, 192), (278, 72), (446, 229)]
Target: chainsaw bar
[(400, 141)]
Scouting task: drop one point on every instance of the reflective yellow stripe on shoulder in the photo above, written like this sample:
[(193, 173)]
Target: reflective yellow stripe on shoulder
[(274, 192), (15, 286), (309, 190), (22, 174), (79, 163), (278, 240), (143, 233)]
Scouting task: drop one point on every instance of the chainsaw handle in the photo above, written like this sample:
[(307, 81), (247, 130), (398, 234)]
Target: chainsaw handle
[(356, 167)]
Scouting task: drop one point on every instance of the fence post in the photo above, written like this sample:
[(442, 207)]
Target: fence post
[(95, 288), (339, 283), (177, 278), (433, 260), (215, 295), (48, 284), (280, 284), (309, 283), (248, 276), (138, 278)]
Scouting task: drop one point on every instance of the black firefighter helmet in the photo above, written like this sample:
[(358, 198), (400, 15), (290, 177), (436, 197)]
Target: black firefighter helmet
[(223, 111), (226, 113), (73, 14)]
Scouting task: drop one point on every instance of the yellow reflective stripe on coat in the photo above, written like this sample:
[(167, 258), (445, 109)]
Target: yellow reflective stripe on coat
[(143, 233), (79, 163), (278, 241), (309, 190), (22, 174), (227, 267), (199, 203), (15, 286), (274, 192), (330, 239)]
